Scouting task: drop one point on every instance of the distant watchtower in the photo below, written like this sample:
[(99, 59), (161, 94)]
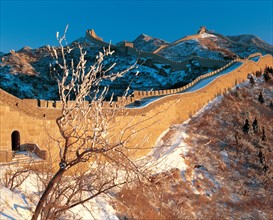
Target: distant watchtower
[(93, 34), (202, 30)]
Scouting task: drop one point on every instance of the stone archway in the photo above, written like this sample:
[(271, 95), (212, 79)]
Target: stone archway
[(15, 140)]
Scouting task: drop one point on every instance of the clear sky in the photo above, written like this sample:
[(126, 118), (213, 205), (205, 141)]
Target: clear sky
[(34, 23)]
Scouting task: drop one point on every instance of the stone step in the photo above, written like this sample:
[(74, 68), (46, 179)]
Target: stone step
[(26, 157), (27, 161), (21, 156)]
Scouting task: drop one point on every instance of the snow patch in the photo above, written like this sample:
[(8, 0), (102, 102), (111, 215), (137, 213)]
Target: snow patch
[(206, 35), (168, 154), (13, 205)]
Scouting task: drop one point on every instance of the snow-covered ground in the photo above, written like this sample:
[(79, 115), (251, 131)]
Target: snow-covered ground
[(256, 59), (184, 49), (14, 205), (168, 154)]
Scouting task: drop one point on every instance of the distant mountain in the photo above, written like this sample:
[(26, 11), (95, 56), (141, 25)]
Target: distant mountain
[(146, 43), (250, 40)]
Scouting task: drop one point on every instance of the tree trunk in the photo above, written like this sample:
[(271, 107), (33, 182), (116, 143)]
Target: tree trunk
[(47, 191)]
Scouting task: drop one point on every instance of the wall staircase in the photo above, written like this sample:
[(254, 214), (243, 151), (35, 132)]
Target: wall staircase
[(26, 157)]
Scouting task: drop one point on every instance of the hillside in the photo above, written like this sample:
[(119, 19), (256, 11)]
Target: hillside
[(208, 168)]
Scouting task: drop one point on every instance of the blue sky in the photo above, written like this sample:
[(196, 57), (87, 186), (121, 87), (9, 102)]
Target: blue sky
[(34, 23)]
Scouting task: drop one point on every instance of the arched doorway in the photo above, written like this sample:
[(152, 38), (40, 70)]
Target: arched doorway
[(15, 140)]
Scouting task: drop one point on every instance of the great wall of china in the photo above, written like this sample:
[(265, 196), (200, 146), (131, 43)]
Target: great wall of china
[(35, 120)]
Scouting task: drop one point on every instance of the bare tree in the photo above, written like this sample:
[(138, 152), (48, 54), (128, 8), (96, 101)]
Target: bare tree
[(13, 178), (93, 157)]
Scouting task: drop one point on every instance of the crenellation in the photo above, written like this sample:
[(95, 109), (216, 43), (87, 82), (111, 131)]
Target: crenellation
[(58, 104), (42, 103), (50, 104)]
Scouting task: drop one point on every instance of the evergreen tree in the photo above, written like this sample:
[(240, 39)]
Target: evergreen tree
[(266, 76), (258, 73), (265, 168), (261, 98), (251, 79), (246, 127), (269, 69), (261, 156), (264, 138), (236, 138), (271, 105), (255, 125)]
